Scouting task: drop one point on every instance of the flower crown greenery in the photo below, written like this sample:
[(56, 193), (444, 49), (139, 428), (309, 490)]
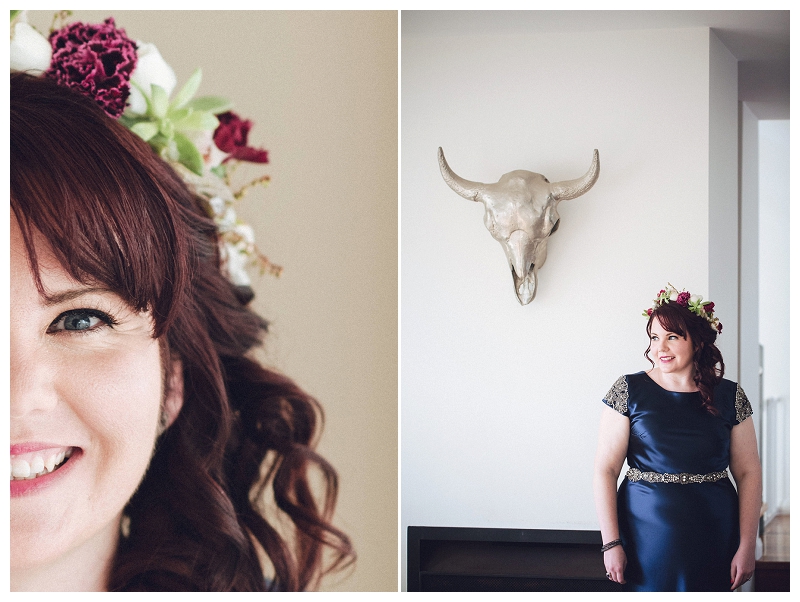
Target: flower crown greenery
[(201, 138), (694, 303)]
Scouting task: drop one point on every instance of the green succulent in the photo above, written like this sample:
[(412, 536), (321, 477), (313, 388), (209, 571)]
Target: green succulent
[(165, 124)]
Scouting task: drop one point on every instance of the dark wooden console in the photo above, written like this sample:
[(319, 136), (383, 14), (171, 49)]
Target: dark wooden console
[(475, 559)]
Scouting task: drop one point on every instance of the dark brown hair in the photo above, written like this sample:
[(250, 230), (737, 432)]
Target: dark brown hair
[(675, 318), (115, 213)]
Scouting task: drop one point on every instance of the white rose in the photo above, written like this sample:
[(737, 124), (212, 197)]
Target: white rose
[(227, 220), (246, 232), (217, 204), (236, 264), (30, 50), (151, 68)]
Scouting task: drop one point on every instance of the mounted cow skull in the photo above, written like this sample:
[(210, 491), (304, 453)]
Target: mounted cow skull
[(521, 214)]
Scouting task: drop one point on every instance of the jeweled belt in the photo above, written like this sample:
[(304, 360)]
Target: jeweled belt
[(634, 474)]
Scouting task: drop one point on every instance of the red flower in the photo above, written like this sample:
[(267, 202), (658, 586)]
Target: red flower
[(683, 299), (649, 311), (96, 60), (231, 137), (708, 307), (719, 328)]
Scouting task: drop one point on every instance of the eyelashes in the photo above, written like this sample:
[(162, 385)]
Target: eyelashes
[(81, 321)]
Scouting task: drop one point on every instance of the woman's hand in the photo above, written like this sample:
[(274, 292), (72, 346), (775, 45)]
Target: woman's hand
[(616, 561), (743, 566)]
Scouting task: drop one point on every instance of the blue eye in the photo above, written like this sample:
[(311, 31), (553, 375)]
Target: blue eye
[(80, 320)]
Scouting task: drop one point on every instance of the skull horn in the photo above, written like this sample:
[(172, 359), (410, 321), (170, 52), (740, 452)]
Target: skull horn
[(569, 189), (469, 190)]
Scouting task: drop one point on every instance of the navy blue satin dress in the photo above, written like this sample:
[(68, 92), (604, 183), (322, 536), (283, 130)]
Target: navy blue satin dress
[(678, 537)]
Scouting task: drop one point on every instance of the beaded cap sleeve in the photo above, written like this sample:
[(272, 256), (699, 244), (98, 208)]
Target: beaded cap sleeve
[(743, 408), (617, 396)]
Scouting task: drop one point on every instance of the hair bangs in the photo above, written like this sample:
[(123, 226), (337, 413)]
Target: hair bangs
[(671, 318), (84, 184)]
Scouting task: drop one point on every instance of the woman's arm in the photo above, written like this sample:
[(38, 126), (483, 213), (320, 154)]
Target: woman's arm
[(612, 447), (746, 470)]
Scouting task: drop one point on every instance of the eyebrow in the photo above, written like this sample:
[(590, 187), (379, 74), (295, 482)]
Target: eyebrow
[(63, 297)]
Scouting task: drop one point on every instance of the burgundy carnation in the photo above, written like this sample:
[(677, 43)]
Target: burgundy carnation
[(683, 299), (649, 311), (708, 308), (719, 327), (231, 137), (96, 60)]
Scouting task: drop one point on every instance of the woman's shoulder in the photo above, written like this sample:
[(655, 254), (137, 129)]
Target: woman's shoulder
[(731, 395), (619, 393)]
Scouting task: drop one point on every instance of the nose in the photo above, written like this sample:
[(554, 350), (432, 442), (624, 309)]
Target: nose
[(519, 250), (32, 379)]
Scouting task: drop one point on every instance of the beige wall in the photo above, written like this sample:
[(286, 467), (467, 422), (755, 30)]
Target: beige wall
[(321, 88)]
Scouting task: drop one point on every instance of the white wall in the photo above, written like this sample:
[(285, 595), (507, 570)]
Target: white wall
[(774, 295), (750, 362), (500, 403), (723, 194), (773, 185)]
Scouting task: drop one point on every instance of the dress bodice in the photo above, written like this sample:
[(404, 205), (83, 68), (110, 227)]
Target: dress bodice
[(671, 432)]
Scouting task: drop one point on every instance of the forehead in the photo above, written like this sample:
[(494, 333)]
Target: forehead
[(518, 200), (657, 328), (656, 325), (20, 259), (47, 279), (519, 185)]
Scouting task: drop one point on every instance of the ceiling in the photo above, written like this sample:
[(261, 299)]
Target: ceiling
[(759, 39)]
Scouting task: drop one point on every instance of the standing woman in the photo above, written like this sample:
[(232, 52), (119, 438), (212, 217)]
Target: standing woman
[(677, 523)]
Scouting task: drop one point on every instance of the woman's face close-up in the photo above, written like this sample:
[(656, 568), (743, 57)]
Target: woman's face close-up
[(86, 392), (670, 352)]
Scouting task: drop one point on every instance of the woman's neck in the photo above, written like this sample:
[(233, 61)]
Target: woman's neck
[(82, 569), (680, 382)]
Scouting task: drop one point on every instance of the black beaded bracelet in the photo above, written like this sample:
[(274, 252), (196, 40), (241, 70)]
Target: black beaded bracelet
[(610, 544)]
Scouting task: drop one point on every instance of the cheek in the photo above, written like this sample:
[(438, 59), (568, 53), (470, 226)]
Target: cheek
[(116, 395)]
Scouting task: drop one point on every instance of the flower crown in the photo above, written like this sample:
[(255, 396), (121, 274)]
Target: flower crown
[(694, 303), (199, 137)]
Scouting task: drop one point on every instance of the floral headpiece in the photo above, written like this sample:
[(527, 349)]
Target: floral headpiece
[(199, 137), (694, 303)]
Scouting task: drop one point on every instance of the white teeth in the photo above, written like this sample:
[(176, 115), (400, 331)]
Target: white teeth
[(20, 469), (37, 466)]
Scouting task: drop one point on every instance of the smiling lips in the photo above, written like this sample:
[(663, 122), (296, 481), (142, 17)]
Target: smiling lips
[(35, 464)]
